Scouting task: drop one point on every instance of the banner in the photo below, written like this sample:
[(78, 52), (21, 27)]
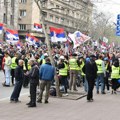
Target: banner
[(78, 38)]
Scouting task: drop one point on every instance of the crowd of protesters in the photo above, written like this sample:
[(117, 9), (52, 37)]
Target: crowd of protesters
[(84, 65)]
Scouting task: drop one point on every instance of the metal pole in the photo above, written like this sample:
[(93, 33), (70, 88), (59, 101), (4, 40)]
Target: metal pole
[(39, 4)]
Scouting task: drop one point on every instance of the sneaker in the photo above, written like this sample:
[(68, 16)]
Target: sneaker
[(17, 101), (66, 94), (39, 101), (4, 85), (32, 105), (11, 100), (46, 102), (28, 103), (75, 90), (97, 92), (103, 93)]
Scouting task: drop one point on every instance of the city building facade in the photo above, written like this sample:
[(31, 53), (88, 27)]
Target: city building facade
[(71, 15), (8, 15)]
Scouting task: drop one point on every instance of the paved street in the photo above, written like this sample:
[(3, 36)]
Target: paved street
[(6, 91), (105, 107)]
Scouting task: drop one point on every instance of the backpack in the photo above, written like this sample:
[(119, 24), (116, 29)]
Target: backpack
[(52, 91)]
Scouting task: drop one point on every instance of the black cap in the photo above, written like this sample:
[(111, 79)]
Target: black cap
[(74, 54), (92, 56)]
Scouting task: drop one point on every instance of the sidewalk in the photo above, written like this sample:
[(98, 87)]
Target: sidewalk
[(105, 107)]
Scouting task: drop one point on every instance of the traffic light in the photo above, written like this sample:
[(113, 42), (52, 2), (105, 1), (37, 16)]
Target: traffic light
[(118, 25)]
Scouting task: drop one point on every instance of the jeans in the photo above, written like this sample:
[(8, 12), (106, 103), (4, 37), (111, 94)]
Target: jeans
[(7, 76), (100, 79), (16, 91), (63, 81), (85, 83)]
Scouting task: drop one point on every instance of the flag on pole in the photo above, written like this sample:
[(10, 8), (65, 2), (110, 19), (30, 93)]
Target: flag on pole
[(105, 39), (78, 38), (1, 28), (37, 27), (57, 34), (12, 36), (19, 44), (31, 39)]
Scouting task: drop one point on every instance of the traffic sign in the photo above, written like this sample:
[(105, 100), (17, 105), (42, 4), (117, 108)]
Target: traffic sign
[(118, 16), (118, 25)]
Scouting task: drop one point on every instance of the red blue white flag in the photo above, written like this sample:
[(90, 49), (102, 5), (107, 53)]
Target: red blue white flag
[(1, 28), (31, 39), (19, 44), (57, 34), (37, 27), (12, 36)]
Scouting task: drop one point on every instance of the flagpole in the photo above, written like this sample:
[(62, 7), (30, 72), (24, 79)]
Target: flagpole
[(39, 4)]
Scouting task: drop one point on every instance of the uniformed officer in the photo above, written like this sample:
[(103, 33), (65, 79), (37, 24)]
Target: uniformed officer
[(100, 74), (63, 73), (13, 66), (73, 66), (115, 75)]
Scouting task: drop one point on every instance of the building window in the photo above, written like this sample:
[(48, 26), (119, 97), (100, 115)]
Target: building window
[(23, 1), (52, 4), (57, 8), (68, 22), (12, 3), (57, 20), (68, 11), (22, 27), (11, 19), (51, 17), (62, 20), (22, 13), (4, 18), (5, 2)]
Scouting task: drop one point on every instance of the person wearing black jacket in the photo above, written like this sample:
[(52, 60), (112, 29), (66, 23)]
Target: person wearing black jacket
[(90, 70), (19, 76), (108, 72), (33, 75)]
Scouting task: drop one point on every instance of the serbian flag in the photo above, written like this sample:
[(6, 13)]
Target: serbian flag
[(12, 36), (1, 28), (19, 44), (57, 34), (31, 39), (37, 27)]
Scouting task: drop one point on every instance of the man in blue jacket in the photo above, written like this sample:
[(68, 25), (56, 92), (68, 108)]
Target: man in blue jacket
[(46, 74)]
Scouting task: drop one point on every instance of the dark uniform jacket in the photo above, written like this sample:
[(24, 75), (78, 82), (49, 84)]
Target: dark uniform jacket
[(34, 74), (19, 74)]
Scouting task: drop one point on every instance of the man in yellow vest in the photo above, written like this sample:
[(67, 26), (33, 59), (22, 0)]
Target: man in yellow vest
[(115, 75), (73, 66), (42, 61), (63, 72), (13, 66), (26, 68), (100, 74)]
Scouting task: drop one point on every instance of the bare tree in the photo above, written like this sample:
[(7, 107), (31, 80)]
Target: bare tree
[(40, 6)]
